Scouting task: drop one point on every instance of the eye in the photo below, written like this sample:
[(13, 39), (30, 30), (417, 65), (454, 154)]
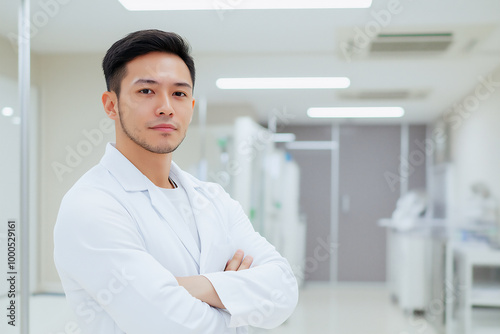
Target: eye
[(146, 91), (180, 94)]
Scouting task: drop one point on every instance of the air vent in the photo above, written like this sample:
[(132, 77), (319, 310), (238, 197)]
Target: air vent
[(431, 42), (359, 43), (384, 95)]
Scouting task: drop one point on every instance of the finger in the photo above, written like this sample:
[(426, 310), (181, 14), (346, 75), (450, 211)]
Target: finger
[(235, 262), (246, 263)]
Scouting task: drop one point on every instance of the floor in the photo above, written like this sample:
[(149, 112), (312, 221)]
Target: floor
[(345, 309), (350, 309)]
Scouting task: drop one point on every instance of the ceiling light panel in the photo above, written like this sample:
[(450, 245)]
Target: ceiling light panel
[(143, 5), (283, 83), (356, 112)]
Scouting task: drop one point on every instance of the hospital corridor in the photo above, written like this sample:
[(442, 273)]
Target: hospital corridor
[(250, 166)]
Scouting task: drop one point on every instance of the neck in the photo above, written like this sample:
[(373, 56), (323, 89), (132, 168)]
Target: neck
[(156, 167)]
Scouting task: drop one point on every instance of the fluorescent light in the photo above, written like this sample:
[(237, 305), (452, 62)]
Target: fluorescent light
[(312, 145), (283, 137), (135, 5), (283, 83), (7, 111), (360, 112)]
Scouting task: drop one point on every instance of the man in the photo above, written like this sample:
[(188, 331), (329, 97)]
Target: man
[(143, 247)]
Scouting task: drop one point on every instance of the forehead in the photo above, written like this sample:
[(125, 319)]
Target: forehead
[(158, 66)]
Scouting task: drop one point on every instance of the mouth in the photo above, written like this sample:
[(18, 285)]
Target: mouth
[(164, 127)]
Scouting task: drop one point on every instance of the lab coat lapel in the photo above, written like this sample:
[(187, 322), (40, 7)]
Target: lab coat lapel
[(208, 222), (214, 241), (177, 223), (205, 217)]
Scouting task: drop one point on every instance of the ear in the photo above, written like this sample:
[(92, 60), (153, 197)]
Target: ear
[(110, 104)]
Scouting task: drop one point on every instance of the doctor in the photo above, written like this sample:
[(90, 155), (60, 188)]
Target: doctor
[(143, 247)]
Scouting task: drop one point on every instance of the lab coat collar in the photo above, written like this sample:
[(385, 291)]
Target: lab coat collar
[(132, 179)]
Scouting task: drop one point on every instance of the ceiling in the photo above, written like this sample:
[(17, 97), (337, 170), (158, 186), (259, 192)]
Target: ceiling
[(269, 43)]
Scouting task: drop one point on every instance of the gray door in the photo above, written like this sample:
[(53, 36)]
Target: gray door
[(315, 199), (366, 155)]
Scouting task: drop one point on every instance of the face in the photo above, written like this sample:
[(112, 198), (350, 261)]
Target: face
[(155, 105)]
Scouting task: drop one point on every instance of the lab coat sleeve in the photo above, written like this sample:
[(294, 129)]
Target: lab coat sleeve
[(266, 294), (98, 246)]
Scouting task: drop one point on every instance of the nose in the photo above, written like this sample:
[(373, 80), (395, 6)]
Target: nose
[(165, 106)]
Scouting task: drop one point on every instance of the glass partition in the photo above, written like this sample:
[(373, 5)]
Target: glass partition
[(9, 171)]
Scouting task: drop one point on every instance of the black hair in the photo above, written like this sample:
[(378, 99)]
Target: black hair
[(140, 43)]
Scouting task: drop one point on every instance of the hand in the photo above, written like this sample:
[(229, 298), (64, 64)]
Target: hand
[(201, 288), (238, 263)]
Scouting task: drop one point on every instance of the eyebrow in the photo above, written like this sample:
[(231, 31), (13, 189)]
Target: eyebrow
[(146, 81), (183, 84), (154, 82)]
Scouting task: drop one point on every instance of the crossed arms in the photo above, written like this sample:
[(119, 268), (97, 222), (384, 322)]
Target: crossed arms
[(95, 236), (200, 287)]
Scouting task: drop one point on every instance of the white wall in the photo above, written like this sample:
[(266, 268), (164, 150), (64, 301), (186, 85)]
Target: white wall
[(8, 59), (475, 141)]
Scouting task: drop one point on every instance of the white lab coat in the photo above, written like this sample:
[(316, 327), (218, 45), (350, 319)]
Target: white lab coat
[(119, 245)]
